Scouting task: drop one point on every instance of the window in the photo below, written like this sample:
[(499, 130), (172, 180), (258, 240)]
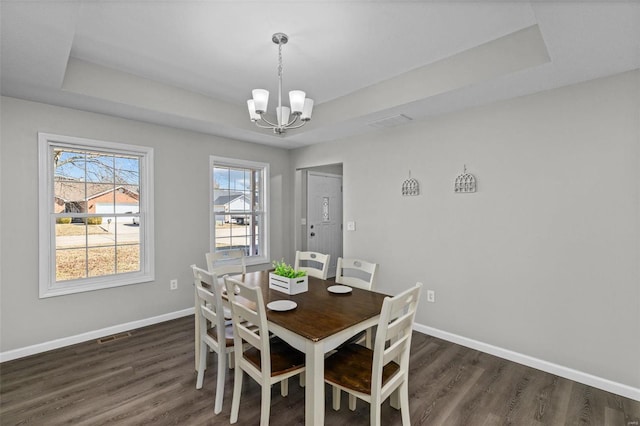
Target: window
[(239, 207), (96, 217)]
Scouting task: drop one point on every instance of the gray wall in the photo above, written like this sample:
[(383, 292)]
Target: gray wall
[(181, 220), (544, 258)]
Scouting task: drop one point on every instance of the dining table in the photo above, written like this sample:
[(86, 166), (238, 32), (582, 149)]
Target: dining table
[(321, 320)]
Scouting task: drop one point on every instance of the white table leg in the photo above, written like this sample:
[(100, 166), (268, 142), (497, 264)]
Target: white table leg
[(314, 389)]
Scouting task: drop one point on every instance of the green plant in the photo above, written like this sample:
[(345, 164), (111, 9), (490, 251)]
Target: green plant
[(287, 271), (63, 220)]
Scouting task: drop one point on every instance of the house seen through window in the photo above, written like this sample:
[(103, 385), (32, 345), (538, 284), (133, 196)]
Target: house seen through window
[(239, 207)]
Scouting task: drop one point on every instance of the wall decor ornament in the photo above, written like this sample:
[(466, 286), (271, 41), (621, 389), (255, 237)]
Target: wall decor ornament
[(465, 182), (410, 186)]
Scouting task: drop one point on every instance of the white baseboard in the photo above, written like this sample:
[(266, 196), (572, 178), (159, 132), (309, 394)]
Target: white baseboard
[(91, 335), (549, 367)]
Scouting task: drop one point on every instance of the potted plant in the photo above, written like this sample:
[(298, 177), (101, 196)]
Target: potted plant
[(287, 280)]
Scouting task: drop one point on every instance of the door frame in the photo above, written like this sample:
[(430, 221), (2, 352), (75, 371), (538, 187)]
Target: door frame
[(300, 204)]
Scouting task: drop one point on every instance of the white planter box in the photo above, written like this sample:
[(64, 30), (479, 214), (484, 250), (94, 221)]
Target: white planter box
[(288, 285)]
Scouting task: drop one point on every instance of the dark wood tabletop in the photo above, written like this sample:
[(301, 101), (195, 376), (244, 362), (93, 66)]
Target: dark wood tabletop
[(319, 313)]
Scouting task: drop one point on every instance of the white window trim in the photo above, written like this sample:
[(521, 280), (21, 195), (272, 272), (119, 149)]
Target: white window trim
[(233, 162), (47, 240)]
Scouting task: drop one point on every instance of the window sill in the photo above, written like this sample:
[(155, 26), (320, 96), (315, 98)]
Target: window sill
[(81, 286)]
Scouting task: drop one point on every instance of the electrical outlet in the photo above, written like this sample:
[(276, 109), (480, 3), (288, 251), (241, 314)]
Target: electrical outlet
[(173, 284), (431, 296)]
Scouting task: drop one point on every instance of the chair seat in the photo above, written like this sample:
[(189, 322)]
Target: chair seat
[(351, 366), (284, 358), (228, 334)]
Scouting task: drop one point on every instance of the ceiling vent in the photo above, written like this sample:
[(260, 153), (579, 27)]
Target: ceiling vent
[(394, 120)]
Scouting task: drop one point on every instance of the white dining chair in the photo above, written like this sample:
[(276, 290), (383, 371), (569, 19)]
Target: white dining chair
[(356, 273), (267, 361), (375, 375), (214, 333), (226, 262), (316, 264)]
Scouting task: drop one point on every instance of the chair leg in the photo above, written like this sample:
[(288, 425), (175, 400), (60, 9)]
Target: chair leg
[(394, 399), (352, 402), (404, 404), (232, 361), (237, 391), (374, 412), (265, 405), (284, 387), (197, 337), (303, 379), (202, 365), (336, 398), (222, 361), (368, 338)]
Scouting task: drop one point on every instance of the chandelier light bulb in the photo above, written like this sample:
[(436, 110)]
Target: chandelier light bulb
[(260, 100), (283, 113), (307, 110), (253, 115), (296, 100)]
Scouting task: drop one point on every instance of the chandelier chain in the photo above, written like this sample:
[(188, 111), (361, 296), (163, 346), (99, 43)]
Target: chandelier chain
[(279, 60)]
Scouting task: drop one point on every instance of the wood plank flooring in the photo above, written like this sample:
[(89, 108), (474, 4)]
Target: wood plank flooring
[(148, 379)]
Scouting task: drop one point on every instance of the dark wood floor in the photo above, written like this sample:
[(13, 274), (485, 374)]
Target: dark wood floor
[(148, 378)]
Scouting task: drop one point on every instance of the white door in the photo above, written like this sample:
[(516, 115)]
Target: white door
[(324, 216)]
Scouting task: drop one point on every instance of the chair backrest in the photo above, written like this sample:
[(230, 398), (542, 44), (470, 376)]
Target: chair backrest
[(310, 257), (249, 322), (224, 262), (356, 272), (393, 338), (209, 302)]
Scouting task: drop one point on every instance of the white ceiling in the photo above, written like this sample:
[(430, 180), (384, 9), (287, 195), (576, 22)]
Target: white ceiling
[(193, 64)]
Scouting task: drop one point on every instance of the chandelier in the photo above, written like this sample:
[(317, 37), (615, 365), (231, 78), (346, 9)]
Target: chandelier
[(286, 118)]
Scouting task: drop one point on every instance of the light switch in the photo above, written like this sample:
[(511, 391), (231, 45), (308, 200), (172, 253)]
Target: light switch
[(351, 225)]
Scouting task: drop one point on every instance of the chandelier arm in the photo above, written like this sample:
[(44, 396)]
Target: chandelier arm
[(302, 123), (295, 118), (262, 126), (273, 125)]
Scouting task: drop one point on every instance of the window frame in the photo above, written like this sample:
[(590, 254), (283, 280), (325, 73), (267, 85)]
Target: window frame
[(215, 161), (48, 286)]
